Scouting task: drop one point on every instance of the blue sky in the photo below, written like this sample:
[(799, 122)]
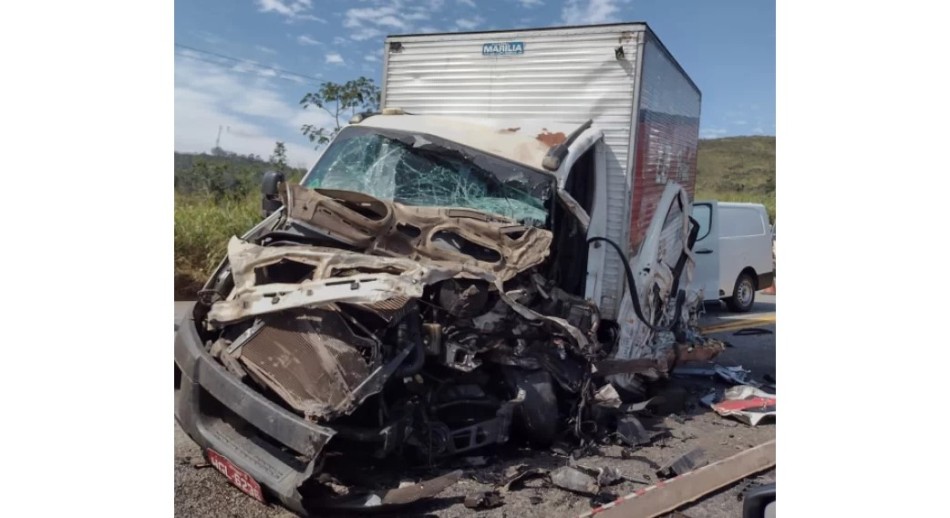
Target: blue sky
[(255, 59)]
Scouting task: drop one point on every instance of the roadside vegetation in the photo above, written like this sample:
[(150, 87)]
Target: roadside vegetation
[(738, 169), (217, 196)]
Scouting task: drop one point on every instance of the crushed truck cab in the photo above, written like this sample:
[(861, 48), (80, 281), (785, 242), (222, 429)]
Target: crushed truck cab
[(502, 247)]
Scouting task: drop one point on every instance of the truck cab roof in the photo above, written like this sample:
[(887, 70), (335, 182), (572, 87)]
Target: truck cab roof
[(525, 142)]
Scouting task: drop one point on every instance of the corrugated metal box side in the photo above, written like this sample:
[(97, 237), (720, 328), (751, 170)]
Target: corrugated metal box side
[(565, 74), (667, 134)]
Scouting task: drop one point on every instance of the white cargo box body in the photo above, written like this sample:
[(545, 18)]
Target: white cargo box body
[(620, 76)]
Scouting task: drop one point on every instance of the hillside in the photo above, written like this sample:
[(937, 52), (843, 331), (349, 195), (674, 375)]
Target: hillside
[(737, 169)]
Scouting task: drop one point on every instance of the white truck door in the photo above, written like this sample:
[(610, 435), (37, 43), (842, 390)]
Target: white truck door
[(707, 249)]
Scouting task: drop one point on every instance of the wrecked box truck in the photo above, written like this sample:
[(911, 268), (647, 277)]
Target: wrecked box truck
[(499, 250)]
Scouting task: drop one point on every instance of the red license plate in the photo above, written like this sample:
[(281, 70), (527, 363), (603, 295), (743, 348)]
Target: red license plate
[(238, 477)]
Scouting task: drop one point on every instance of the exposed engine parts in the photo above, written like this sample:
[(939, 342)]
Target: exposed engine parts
[(415, 330)]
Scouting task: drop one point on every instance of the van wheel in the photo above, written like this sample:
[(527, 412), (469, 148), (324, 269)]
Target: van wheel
[(743, 295)]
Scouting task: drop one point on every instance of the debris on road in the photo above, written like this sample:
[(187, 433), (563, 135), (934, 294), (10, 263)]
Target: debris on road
[(573, 479), (683, 464), (400, 496), (747, 404), (669, 495), (632, 432), (484, 500), (516, 476)]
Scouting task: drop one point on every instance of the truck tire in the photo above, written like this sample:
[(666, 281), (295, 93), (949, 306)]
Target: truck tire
[(743, 294), (537, 416)]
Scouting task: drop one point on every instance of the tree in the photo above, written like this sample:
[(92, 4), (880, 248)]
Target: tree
[(339, 100), (279, 157)]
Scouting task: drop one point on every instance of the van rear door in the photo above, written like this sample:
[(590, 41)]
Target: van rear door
[(706, 275)]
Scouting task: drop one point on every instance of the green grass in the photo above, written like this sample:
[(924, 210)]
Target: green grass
[(738, 169), (203, 227)]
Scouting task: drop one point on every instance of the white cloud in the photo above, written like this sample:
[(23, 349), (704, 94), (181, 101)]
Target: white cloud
[(288, 8), (265, 50), (470, 3), (582, 12), (528, 4), (388, 16), (303, 39), (334, 58), (469, 23), (338, 40), (365, 33), (292, 10), (253, 114), (371, 58)]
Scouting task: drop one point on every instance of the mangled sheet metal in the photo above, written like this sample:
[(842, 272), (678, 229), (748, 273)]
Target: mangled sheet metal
[(332, 276), (387, 228), (402, 249), (310, 359), (420, 331), (664, 269)]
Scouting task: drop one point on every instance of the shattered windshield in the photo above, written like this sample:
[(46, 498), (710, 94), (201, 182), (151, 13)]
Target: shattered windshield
[(417, 169)]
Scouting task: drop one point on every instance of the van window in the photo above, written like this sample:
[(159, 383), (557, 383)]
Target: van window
[(740, 222), (702, 213)]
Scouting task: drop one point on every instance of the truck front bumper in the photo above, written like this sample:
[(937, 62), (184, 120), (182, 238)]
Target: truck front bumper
[(220, 412)]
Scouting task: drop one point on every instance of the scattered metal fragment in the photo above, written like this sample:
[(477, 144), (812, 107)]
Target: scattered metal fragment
[(608, 476), (747, 404), (630, 408), (514, 478), (573, 479), (394, 497), (607, 396), (632, 432), (484, 500), (684, 463), (671, 494)]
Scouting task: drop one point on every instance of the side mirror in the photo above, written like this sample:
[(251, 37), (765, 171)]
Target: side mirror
[(270, 189)]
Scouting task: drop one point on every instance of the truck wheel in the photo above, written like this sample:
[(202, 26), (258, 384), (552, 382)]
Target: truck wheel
[(743, 295), (537, 415)]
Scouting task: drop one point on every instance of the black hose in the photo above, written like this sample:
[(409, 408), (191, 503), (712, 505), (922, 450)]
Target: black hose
[(410, 330), (631, 285)]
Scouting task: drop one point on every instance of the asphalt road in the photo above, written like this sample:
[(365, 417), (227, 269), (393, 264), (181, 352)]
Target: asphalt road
[(201, 491)]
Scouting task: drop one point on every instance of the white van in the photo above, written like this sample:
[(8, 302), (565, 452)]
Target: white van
[(733, 252)]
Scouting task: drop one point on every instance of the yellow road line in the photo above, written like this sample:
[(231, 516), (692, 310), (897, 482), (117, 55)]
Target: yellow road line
[(741, 324)]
